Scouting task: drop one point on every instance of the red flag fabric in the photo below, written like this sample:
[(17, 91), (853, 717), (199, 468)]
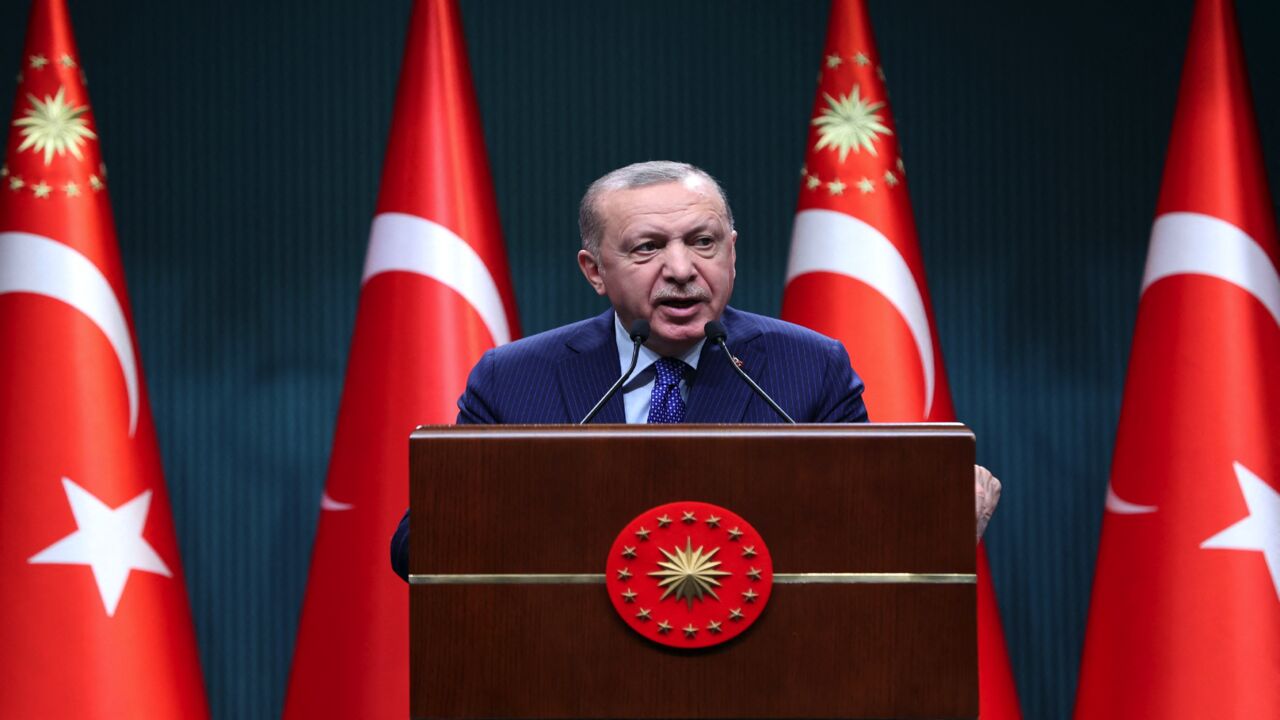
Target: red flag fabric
[(1185, 614), (93, 605), (436, 294), (856, 274)]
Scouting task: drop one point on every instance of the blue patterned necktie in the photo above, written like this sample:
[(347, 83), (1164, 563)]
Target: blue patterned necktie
[(665, 404)]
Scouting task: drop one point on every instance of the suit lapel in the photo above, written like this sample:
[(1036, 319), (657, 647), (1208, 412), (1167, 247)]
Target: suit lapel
[(589, 370), (717, 394)]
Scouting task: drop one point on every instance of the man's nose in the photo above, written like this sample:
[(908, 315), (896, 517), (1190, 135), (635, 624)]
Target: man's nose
[(679, 267)]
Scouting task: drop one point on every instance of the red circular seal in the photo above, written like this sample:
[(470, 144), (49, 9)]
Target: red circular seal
[(689, 574)]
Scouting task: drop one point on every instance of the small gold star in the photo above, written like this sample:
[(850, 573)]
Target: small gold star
[(642, 533), (664, 521), (4, 171), (750, 595), (736, 614), (66, 61), (804, 170), (629, 596), (688, 517), (749, 551), (38, 62), (41, 190), (866, 186), (734, 533), (812, 182), (624, 574), (628, 551), (754, 574), (713, 626), (95, 183), (15, 183), (902, 168), (836, 187), (890, 179), (643, 615), (664, 627), (71, 189), (833, 61), (690, 630), (861, 59), (713, 521)]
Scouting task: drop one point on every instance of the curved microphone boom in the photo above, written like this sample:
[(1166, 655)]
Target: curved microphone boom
[(639, 333), (716, 334)]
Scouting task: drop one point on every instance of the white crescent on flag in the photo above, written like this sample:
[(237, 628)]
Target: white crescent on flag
[(35, 264), (830, 241), (1187, 243), (408, 243)]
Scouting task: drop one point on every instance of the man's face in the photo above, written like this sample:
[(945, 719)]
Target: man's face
[(667, 256)]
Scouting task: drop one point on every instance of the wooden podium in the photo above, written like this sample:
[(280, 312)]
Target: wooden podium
[(871, 531)]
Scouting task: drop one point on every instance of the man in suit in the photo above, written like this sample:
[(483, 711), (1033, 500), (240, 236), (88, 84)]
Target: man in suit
[(658, 241)]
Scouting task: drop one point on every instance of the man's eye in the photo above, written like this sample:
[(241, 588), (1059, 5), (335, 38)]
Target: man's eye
[(644, 247), (704, 241)]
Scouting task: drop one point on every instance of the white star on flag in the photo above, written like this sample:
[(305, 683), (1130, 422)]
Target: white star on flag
[(109, 541), (1260, 531)]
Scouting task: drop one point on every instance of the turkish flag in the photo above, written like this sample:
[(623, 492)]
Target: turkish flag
[(93, 605), (856, 274), (1185, 615), (436, 295)]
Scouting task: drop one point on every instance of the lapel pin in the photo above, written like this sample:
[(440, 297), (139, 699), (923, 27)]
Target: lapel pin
[(736, 361)]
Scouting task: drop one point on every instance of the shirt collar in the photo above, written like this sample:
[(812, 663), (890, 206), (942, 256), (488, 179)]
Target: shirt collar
[(647, 356)]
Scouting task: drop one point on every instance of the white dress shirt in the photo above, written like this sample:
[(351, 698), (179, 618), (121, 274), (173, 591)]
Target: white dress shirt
[(639, 387)]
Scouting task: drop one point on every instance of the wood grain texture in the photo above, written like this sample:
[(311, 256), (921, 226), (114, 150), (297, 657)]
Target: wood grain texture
[(824, 498)]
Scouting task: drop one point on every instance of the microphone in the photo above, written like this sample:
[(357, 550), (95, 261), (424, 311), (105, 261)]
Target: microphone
[(716, 334), (639, 333)]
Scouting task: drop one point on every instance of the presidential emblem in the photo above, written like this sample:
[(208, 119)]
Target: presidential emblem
[(689, 574)]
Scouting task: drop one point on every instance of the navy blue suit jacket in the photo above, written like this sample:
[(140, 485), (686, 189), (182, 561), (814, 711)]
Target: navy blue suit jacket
[(557, 376)]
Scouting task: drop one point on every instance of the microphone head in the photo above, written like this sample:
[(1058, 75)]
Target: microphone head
[(639, 330), (715, 331)]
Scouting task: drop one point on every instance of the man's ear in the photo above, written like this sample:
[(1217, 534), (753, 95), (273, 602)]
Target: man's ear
[(591, 271)]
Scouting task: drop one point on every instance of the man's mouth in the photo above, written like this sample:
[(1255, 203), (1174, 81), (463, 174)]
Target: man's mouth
[(679, 303)]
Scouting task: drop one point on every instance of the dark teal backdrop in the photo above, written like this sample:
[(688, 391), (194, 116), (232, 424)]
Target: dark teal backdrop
[(245, 139)]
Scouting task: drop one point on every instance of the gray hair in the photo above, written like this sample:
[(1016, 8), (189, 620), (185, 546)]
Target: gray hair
[(636, 175)]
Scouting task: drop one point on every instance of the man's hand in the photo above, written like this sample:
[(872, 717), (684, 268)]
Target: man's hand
[(986, 493)]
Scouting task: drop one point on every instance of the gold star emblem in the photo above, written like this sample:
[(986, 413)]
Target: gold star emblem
[(66, 61), (736, 614), (664, 627), (749, 551), (629, 595), (41, 190), (624, 574), (865, 185), (804, 170), (833, 61), (750, 595), (890, 179), (850, 122), (4, 171), (38, 62), (664, 521), (754, 574), (734, 533), (688, 517), (95, 183), (643, 615), (16, 183), (713, 626), (713, 521), (54, 125), (642, 533), (628, 552), (836, 187), (690, 630), (813, 182), (688, 573), (71, 189), (861, 59)]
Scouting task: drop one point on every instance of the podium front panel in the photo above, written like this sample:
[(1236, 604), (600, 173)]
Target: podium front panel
[(510, 616)]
